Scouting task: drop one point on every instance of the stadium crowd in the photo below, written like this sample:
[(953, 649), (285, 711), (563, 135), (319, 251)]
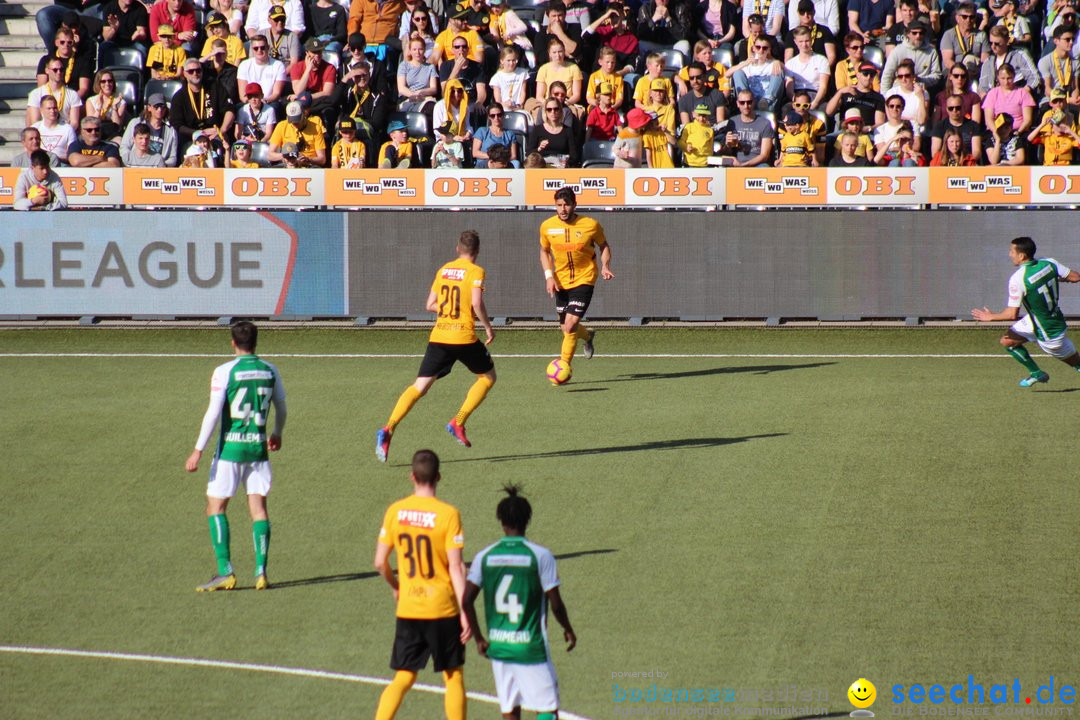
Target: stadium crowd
[(492, 83)]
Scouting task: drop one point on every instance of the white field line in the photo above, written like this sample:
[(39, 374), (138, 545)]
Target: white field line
[(511, 356), (276, 669)]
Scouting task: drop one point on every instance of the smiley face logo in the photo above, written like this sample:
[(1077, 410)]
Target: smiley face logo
[(862, 693)]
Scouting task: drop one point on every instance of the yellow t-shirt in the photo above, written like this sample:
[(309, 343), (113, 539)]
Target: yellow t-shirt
[(421, 530), (405, 150), (1058, 149), (234, 49), (171, 60), (641, 90), (665, 115), (445, 40), (573, 248), (865, 145), (349, 155), (593, 88), (656, 141), (796, 149), (568, 74), (455, 323), (715, 77), (243, 165), (700, 138), (308, 136)]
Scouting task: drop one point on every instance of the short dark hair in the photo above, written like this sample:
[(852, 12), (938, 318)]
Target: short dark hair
[(1025, 246), (469, 242), (425, 467), (514, 511), (1061, 30), (246, 335), (39, 158), (566, 194), (499, 153), (799, 93), (910, 3), (141, 129), (697, 65), (806, 6)]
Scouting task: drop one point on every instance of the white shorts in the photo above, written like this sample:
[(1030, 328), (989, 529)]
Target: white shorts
[(1060, 347), (532, 687), (226, 477)]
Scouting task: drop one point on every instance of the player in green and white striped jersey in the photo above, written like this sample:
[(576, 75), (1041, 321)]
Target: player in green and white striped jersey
[(1034, 286), (519, 580), (241, 393)]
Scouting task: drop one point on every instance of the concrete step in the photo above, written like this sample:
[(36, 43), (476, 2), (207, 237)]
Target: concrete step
[(15, 105), (21, 58), (22, 42), (18, 26), (7, 152), (16, 74), (16, 90), (11, 124)]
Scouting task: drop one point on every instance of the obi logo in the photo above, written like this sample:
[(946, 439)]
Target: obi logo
[(672, 186), (878, 185), (471, 187), (263, 186), (84, 186)]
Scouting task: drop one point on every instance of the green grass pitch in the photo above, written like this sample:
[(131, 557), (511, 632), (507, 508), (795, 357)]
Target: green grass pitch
[(744, 522)]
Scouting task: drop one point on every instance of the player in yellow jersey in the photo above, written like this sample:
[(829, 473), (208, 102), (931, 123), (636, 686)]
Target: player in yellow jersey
[(425, 534), (457, 299), (568, 244)]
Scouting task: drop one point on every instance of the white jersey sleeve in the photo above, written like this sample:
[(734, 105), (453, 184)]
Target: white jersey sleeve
[(476, 569), (549, 576), (219, 381), (278, 401), (1062, 271), (1016, 289)]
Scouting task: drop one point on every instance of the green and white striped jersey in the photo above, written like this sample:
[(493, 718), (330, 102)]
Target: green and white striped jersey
[(515, 574), (241, 392), (1035, 287)]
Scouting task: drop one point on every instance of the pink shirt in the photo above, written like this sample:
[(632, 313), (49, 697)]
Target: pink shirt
[(1013, 101)]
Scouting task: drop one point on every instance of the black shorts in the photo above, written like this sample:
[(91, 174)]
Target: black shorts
[(417, 640), (574, 301), (439, 359)]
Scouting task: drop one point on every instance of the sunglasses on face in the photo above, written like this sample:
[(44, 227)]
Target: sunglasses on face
[(461, 47), (1067, 39), (258, 48), (895, 106), (744, 102), (961, 76), (966, 17), (800, 106), (195, 71), (421, 18), (854, 47), (915, 32), (903, 76), (1055, 101), (92, 130), (552, 109), (694, 77), (55, 69), (997, 43), (64, 43), (495, 115), (950, 108), (868, 73), (762, 47)]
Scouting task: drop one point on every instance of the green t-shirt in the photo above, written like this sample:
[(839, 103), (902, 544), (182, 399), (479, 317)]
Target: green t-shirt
[(1034, 286)]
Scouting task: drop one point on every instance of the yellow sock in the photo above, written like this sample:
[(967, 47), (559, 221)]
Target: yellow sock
[(404, 405), (455, 693), (569, 347), (394, 693), (582, 332), (475, 396)]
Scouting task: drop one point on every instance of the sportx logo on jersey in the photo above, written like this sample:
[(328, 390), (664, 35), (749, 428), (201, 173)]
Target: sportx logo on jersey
[(417, 518)]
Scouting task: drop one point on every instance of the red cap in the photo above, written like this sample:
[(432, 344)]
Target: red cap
[(253, 88)]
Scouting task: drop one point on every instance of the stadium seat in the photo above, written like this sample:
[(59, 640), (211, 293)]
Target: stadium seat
[(123, 72), (598, 153), (874, 54), (333, 57), (820, 115), (130, 92), (122, 57), (168, 88), (770, 116), (673, 61), (260, 153), (724, 56), (517, 120)]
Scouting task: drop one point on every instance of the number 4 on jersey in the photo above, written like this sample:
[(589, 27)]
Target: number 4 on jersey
[(507, 602)]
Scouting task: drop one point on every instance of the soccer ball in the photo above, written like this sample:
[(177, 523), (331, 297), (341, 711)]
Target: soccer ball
[(558, 372)]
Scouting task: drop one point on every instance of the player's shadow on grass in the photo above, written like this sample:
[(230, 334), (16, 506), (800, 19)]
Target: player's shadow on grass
[(683, 444), (583, 553), (729, 370), (344, 577), (1063, 390)]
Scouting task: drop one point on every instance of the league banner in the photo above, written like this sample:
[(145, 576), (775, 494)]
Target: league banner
[(172, 264)]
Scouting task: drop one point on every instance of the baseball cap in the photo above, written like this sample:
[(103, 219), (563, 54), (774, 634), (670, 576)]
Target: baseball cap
[(314, 45), (1058, 94), (290, 148), (658, 84), (853, 114), (445, 127), (918, 25), (793, 118), (756, 19), (346, 123), (1002, 120), (495, 2), (604, 89), (215, 19), (197, 135), (702, 109), (395, 125), (277, 13), (165, 29), (253, 88), (155, 99), (461, 9), (193, 151), (869, 67), (294, 110), (637, 118), (357, 41), (244, 142)]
